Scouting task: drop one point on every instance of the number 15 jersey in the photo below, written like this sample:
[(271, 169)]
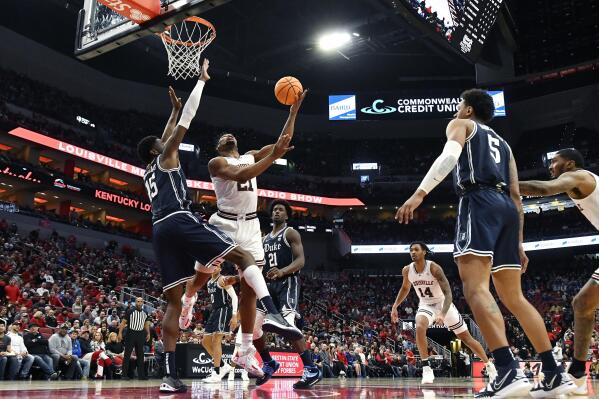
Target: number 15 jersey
[(425, 284), (233, 197)]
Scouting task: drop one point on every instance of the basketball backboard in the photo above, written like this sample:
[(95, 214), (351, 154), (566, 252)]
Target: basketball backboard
[(99, 29)]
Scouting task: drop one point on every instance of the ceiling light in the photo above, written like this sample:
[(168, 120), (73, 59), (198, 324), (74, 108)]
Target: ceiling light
[(334, 40)]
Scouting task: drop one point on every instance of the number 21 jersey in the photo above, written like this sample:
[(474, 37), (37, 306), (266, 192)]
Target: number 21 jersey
[(233, 197), (425, 284)]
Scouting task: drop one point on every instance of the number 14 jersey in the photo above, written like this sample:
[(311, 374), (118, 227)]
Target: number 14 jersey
[(426, 285), (233, 197)]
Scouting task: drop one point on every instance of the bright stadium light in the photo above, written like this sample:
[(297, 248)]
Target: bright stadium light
[(333, 40)]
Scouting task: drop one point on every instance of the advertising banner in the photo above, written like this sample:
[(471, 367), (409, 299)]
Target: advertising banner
[(194, 362)]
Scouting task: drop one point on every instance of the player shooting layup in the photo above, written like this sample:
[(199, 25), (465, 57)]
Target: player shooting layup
[(234, 178), (180, 239), (435, 306), (582, 187), (489, 235)]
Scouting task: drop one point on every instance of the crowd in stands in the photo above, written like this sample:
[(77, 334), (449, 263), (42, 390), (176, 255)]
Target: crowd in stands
[(61, 304), (440, 25)]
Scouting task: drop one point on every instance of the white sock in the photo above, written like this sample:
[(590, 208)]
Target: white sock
[(246, 341), (238, 338), (253, 276)]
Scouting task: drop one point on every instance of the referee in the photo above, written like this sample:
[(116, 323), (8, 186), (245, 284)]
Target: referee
[(138, 332)]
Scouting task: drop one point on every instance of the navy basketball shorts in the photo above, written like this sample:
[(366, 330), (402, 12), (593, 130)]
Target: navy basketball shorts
[(488, 225), (218, 321), (285, 295), (180, 240)]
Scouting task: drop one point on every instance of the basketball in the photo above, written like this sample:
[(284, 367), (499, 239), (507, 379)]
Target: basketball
[(288, 90)]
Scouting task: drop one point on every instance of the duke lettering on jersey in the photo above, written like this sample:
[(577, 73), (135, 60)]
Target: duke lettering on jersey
[(218, 295), (277, 251), (166, 189), (234, 197), (485, 160), (425, 284)]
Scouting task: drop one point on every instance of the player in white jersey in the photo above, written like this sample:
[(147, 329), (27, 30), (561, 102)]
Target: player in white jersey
[(234, 178), (435, 306), (582, 187)]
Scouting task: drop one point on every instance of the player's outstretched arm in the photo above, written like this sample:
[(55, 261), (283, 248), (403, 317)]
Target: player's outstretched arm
[(401, 295), (456, 132), (288, 129), (218, 167), (439, 274), (297, 249), (172, 120), (170, 156), (567, 181), (515, 195)]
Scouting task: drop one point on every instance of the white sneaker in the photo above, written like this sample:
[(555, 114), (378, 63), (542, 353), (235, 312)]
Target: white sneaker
[(226, 369), (248, 361), (491, 370), (244, 375), (212, 378), (187, 312), (232, 375), (428, 376), (513, 383), (581, 385)]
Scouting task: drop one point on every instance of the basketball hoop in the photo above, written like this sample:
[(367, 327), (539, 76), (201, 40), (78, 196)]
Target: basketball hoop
[(184, 43)]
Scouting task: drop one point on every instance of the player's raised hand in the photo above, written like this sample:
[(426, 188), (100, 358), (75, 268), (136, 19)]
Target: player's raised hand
[(281, 146), (406, 213), (296, 106), (230, 280), (394, 315), (204, 74), (175, 101)]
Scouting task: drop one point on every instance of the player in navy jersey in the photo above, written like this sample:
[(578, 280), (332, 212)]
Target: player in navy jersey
[(488, 242), (284, 254), (180, 239)]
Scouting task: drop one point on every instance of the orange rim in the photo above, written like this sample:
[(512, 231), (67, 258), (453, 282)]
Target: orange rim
[(198, 20)]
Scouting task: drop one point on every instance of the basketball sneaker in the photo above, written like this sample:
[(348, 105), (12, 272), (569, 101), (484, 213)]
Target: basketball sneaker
[(187, 311), (244, 375), (311, 376), (428, 376), (491, 370), (226, 369), (172, 385), (248, 361), (581, 385), (268, 368), (275, 323), (512, 383), (212, 378), (559, 384)]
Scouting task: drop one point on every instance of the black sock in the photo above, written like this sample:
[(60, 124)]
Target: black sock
[(307, 358), (217, 370), (549, 364), (503, 357), (221, 363), (171, 367), (426, 363), (268, 304), (578, 368), (265, 355)]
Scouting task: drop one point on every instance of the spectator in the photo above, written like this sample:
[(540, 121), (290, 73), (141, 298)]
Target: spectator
[(24, 361), (12, 291), (38, 347), (61, 350), (38, 319), (7, 356), (77, 307), (24, 300), (51, 320), (99, 356), (116, 351), (84, 363)]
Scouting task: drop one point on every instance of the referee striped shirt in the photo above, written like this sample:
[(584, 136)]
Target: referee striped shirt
[(136, 319)]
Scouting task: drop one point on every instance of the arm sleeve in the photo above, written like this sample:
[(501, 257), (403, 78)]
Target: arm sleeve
[(191, 106), (442, 166), (231, 291)]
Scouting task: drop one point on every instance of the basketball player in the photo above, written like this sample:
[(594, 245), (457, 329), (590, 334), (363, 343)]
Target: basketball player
[(582, 187), (234, 178), (489, 234), (223, 318), (180, 239), (435, 306), (284, 260)]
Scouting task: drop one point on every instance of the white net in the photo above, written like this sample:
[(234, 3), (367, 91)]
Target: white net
[(184, 43)]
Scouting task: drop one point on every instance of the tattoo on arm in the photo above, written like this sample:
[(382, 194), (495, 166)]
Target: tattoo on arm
[(444, 284)]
